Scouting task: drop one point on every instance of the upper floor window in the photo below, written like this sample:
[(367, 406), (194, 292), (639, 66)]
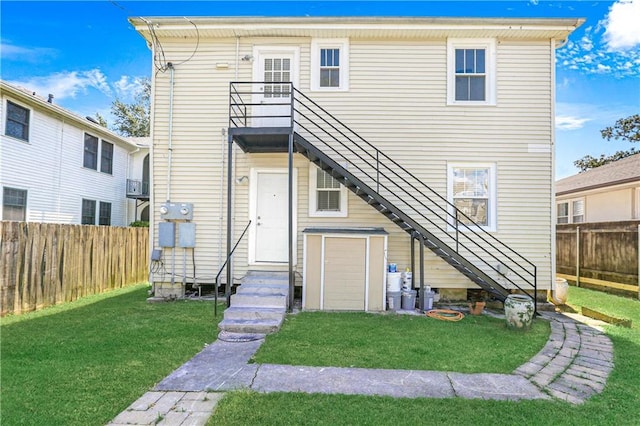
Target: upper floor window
[(472, 190), (17, 124), (106, 158), (90, 152), (327, 197), (329, 64), (471, 71), (93, 145), (14, 204)]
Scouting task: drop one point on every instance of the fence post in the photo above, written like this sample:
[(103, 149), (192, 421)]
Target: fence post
[(577, 256)]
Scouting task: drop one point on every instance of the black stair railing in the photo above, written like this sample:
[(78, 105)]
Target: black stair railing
[(396, 186)]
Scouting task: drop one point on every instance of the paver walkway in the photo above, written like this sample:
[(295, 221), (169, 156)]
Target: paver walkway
[(573, 366)]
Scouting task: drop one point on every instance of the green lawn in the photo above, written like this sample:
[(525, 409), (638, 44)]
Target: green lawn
[(402, 342), (618, 405), (82, 363)]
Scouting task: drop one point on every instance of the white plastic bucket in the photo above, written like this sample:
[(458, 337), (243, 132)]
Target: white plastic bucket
[(394, 299), (393, 281), (562, 287)]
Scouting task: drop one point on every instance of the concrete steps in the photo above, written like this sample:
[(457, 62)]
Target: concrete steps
[(259, 305)]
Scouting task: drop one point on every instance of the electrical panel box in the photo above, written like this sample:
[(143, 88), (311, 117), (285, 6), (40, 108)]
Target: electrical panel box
[(176, 211), (167, 234), (156, 255), (187, 235)]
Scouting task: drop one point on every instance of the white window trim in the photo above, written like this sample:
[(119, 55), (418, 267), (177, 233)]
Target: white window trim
[(490, 68), (330, 43), (493, 195), (5, 114), (313, 202)]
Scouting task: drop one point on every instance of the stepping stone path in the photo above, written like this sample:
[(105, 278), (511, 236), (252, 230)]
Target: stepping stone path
[(572, 366)]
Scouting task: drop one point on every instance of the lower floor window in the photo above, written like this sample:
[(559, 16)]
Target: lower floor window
[(327, 197), (570, 211), (88, 212), (14, 204), (105, 214), (471, 190)]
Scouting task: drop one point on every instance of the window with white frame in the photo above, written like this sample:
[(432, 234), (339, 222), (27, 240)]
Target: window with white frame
[(106, 157), (90, 160), (570, 211), (327, 197), (563, 212), (330, 64), (472, 190), (17, 123), (14, 204), (104, 213), (471, 70)]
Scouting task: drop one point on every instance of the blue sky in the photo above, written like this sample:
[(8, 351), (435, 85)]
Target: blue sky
[(87, 54)]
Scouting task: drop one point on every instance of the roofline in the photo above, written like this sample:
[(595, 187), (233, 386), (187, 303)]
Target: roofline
[(600, 185), (237, 25), (57, 110)]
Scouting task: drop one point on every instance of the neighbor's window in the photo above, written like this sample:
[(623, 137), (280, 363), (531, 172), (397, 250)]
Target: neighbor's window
[(17, 124), (471, 70), (88, 212), (329, 64), (104, 217), (14, 204), (106, 158), (563, 213), (472, 191), (90, 152), (327, 197), (577, 208)]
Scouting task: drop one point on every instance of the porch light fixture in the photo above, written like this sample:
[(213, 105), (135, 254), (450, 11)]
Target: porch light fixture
[(247, 58), (242, 179)]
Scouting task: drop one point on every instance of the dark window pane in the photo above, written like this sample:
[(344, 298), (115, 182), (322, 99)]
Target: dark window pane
[(105, 214), (14, 204), (330, 78), (106, 159), (476, 89), (459, 61), (480, 61), (462, 88), (17, 124), (88, 212), (328, 201), (90, 152)]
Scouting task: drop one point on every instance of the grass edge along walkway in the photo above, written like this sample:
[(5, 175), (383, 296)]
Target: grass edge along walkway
[(83, 362)]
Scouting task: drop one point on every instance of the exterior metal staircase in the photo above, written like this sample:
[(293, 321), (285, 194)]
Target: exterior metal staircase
[(382, 183)]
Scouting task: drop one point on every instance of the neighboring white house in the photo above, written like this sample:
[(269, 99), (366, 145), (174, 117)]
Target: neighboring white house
[(608, 193), (58, 167), (139, 181), (421, 119)]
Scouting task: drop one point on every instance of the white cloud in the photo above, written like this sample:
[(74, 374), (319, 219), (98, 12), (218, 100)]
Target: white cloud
[(622, 25), (566, 122), (67, 84), (127, 87), (11, 52)]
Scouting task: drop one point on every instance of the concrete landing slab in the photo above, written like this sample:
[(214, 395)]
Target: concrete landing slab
[(219, 366), (352, 381)]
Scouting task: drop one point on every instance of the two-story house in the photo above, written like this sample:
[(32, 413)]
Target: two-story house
[(349, 144), (58, 167)]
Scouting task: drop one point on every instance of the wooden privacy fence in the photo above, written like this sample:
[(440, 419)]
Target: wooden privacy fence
[(43, 264), (602, 254)]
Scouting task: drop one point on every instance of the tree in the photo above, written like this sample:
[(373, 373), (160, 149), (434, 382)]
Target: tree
[(627, 129), (131, 119)]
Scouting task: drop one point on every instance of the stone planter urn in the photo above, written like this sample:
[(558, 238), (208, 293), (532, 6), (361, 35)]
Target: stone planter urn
[(518, 310)]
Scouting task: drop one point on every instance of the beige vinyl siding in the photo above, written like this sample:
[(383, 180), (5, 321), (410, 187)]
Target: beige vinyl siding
[(397, 101)]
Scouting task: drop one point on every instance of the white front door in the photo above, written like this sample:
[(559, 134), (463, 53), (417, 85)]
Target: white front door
[(270, 211), (275, 69)]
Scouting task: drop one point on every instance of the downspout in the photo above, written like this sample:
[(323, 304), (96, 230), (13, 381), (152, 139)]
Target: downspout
[(170, 136)]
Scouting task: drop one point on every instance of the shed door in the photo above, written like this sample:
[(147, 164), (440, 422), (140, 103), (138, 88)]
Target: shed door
[(345, 273)]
